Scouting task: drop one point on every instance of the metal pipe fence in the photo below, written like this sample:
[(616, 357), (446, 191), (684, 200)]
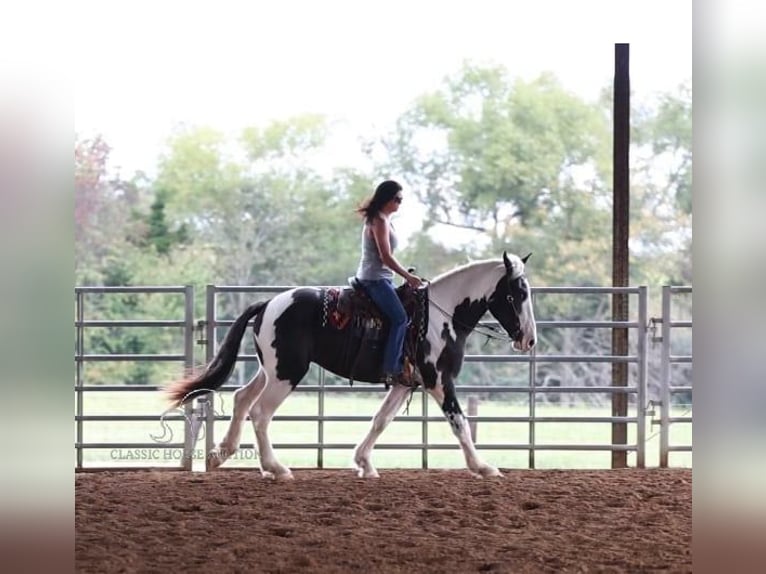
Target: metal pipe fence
[(201, 413), (184, 356), (532, 390)]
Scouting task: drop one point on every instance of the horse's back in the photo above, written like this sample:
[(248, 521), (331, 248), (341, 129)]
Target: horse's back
[(299, 328), (289, 313)]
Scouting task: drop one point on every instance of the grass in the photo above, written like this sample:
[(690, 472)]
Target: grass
[(286, 433)]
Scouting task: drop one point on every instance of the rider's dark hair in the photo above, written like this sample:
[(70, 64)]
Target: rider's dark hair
[(384, 193)]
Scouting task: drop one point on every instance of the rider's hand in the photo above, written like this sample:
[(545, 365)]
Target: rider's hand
[(414, 281)]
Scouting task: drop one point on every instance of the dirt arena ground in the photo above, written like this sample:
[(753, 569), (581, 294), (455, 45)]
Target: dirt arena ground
[(406, 521)]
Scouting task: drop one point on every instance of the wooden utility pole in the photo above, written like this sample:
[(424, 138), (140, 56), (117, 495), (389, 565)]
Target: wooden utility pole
[(620, 236)]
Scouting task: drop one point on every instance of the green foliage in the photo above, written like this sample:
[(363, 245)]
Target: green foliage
[(429, 257), (157, 234), (486, 153), (668, 132), (527, 167), (288, 139), (661, 209)]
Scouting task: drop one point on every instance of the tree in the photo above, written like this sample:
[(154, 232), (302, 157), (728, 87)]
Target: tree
[(260, 207), (663, 188), (488, 153), (101, 201), (527, 166), (123, 239)]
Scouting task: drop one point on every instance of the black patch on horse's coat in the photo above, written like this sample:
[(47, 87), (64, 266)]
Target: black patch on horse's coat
[(465, 317), (293, 340), (427, 369), (300, 338), (505, 310), (257, 324), (428, 372), (451, 407)]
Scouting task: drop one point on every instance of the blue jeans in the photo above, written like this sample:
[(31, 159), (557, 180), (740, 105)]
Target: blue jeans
[(382, 292)]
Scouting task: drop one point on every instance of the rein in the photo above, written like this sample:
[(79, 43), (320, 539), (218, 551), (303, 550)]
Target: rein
[(492, 335)]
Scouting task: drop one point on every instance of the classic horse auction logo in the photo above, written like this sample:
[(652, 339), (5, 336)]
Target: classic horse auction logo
[(194, 421)]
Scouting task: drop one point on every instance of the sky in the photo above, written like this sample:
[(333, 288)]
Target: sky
[(143, 68)]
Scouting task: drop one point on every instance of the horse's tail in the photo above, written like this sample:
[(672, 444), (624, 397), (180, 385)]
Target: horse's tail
[(220, 367)]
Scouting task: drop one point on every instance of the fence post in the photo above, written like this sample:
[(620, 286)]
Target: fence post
[(320, 422), (424, 429), (190, 436), (207, 406), (665, 378), (642, 368), (79, 352), (532, 398)]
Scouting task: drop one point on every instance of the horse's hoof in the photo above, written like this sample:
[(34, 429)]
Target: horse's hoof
[(366, 473), (489, 472), (278, 476), (215, 459), (364, 469), (284, 476)]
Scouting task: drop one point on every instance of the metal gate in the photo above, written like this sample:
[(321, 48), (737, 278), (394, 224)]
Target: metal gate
[(668, 389), (145, 452)]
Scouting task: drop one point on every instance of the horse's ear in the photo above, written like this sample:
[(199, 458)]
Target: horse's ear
[(524, 259), (508, 264)]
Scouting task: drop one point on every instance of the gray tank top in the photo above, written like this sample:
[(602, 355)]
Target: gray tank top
[(371, 267)]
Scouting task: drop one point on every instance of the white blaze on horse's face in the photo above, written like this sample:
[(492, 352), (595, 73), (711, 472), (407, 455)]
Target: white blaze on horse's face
[(527, 323)]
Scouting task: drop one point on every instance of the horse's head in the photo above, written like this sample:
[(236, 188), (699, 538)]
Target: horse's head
[(511, 304)]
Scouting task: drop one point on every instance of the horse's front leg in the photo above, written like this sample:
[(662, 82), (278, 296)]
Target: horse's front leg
[(444, 394)]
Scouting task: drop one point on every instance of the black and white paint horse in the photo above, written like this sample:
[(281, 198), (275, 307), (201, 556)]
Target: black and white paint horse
[(289, 337)]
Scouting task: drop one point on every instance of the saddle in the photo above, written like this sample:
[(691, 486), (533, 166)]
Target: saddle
[(350, 309)]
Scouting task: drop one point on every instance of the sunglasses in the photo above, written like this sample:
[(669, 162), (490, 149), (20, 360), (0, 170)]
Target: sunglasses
[(398, 198)]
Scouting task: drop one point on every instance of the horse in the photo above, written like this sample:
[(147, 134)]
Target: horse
[(289, 335)]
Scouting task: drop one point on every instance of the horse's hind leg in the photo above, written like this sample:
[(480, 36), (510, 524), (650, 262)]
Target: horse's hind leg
[(261, 414), (243, 400), (385, 414)]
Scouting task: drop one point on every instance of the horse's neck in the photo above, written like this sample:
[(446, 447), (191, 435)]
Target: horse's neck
[(474, 283)]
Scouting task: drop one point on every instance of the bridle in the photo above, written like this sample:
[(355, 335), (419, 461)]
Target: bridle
[(516, 334), (497, 332)]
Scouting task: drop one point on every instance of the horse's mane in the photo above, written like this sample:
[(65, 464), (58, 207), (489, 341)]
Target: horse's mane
[(466, 267), (478, 263)]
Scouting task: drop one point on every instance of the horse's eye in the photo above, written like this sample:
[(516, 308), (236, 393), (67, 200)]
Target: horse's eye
[(509, 298)]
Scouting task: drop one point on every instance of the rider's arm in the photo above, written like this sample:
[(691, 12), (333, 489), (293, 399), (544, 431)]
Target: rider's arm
[(379, 229)]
